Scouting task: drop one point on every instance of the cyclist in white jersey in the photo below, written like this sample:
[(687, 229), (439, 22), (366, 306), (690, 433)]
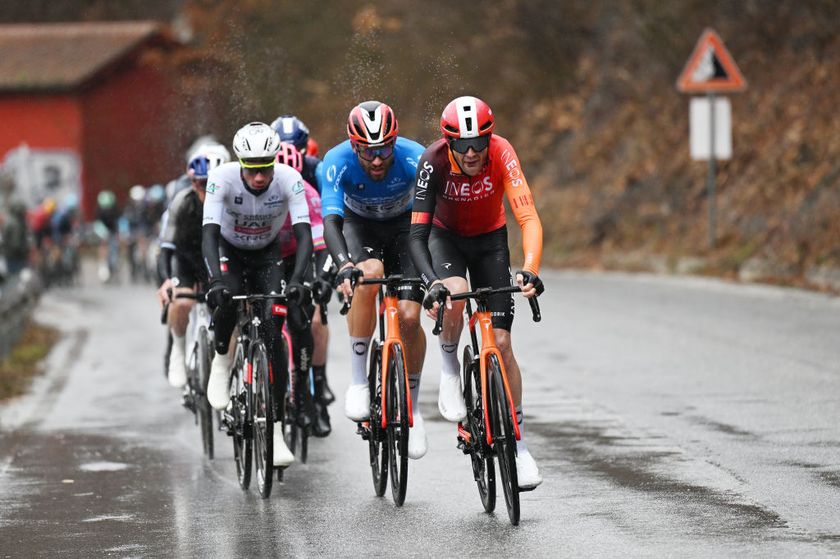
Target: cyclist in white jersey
[(244, 208)]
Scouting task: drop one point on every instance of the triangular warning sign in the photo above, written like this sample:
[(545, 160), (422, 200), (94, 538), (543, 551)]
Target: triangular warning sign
[(710, 69)]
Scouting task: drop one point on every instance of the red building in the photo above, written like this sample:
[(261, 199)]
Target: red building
[(102, 94)]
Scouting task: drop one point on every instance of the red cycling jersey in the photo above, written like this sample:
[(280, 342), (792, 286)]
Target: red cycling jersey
[(471, 206)]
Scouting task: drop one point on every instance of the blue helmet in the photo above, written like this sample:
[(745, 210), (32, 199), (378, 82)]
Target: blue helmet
[(199, 167), (291, 130)]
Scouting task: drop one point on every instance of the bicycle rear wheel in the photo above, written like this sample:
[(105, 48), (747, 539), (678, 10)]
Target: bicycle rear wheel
[(484, 472), (397, 411), (240, 414), (263, 410), (504, 439), (202, 408), (377, 436)]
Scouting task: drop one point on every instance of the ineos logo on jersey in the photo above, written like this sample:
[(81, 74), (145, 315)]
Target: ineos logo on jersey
[(514, 172), (476, 190), (423, 177)]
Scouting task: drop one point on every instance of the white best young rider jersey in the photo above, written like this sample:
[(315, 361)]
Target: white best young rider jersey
[(252, 222)]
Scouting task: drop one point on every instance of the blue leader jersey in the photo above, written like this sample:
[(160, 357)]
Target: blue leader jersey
[(343, 181)]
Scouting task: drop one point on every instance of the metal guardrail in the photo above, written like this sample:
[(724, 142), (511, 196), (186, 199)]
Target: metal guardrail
[(18, 296)]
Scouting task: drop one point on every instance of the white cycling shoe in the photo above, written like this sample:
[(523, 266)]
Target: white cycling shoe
[(357, 402), (451, 398), (218, 393), (282, 455), (417, 438), (177, 373), (526, 471)]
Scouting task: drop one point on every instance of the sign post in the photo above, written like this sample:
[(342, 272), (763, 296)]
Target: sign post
[(711, 69)]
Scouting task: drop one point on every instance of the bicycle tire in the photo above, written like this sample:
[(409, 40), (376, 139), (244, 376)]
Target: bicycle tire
[(397, 425), (481, 456), (203, 408), (504, 439), (263, 419), (376, 436), (241, 412)]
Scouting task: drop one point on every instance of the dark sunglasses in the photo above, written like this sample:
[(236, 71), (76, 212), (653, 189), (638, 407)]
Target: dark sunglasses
[(369, 154), (463, 145)]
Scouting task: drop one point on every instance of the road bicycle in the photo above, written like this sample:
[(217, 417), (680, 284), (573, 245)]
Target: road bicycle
[(200, 354), (250, 416), (391, 417), (490, 429)]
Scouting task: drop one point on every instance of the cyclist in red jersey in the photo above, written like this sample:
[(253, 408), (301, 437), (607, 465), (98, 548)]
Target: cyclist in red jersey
[(458, 226)]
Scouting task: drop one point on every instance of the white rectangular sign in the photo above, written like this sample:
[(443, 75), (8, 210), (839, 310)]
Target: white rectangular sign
[(700, 125)]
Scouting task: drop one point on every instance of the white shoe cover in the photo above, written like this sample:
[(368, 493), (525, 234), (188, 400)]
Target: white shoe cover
[(451, 398), (526, 471), (218, 393), (282, 455), (357, 402), (417, 438)]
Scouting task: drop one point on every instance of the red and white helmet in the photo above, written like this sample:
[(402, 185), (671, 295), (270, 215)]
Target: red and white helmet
[(372, 124), (289, 155), (467, 117)]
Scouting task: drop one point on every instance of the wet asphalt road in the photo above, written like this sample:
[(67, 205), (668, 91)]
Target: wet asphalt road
[(669, 416)]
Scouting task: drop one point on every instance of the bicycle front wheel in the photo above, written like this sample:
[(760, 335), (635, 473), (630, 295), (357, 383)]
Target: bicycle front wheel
[(203, 409), (504, 439), (240, 419), (481, 456), (397, 411), (263, 418), (376, 436)]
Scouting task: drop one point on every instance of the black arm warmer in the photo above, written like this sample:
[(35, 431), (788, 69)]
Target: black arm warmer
[(165, 262), (335, 239), (303, 256), (320, 260), (210, 250), (418, 248)]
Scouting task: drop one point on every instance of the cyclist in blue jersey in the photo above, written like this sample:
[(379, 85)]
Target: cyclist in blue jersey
[(367, 189)]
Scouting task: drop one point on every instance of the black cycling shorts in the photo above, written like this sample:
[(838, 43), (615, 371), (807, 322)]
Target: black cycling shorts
[(386, 241), (487, 259)]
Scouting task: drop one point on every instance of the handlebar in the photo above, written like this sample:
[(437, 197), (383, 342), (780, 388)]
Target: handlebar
[(484, 293)]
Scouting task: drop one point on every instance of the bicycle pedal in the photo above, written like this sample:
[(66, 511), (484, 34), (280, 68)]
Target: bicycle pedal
[(526, 489), (363, 430)]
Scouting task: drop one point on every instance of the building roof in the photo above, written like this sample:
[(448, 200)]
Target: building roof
[(64, 56)]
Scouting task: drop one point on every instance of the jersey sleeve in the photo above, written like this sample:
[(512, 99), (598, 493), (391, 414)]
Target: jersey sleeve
[(169, 226), (522, 203), (298, 207), (421, 216), (313, 199), (330, 173), (214, 200)]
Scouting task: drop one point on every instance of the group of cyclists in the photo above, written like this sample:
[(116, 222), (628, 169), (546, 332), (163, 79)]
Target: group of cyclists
[(275, 219)]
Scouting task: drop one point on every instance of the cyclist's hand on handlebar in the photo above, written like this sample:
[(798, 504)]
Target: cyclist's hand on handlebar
[(164, 293), (218, 295), (437, 294), (530, 283), (321, 292), (297, 293), (346, 280)]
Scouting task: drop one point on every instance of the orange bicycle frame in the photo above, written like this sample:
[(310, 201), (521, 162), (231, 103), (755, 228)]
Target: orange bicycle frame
[(389, 313), (488, 348)]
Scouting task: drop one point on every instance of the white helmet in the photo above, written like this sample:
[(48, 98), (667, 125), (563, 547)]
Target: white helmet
[(216, 153), (256, 144)]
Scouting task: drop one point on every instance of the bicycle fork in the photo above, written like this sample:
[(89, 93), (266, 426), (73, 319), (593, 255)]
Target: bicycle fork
[(488, 348), (390, 313)]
